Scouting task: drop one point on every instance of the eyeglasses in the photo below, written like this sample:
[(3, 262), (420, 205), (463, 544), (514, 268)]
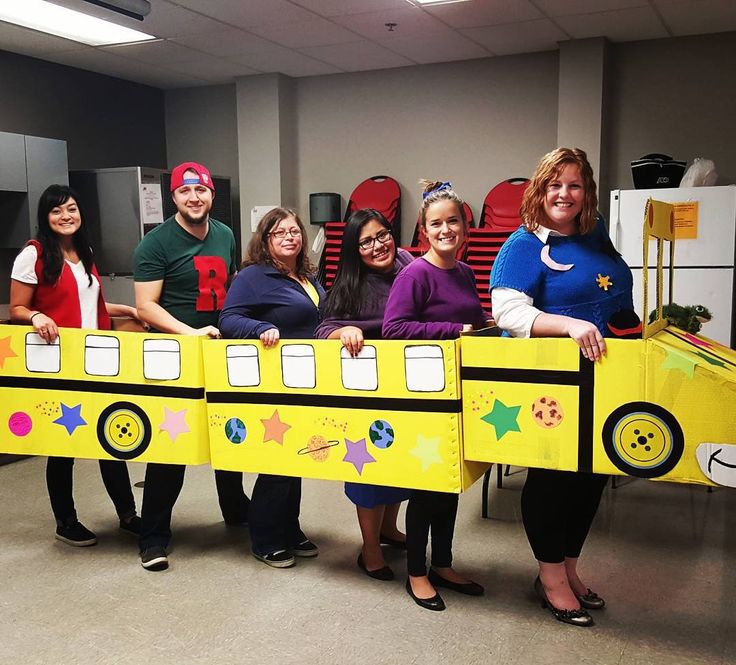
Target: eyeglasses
[(280, 234), (368, 243)]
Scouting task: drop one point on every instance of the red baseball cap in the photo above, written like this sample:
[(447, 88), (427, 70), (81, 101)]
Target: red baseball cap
[(204, 177)]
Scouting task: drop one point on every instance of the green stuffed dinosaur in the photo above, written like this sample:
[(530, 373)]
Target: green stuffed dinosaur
[(689, 318)]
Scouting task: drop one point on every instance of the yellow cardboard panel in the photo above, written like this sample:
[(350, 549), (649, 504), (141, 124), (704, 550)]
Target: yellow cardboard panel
[(103, 395)]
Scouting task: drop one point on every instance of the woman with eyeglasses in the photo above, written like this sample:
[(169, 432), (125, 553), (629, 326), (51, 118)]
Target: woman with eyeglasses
[(434, 298), (275, 296), (369, 263)]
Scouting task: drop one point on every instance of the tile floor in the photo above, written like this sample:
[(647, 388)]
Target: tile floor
[(663, 556)]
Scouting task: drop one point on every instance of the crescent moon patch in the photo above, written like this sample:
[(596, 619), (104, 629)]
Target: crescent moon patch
[(551, 263)]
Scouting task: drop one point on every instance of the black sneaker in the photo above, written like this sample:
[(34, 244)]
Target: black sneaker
[(75, 534), (277, 559), (132, 526), (305, 549), (154, 558)]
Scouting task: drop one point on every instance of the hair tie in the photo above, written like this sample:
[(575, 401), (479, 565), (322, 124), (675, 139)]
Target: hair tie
[(439, 188)]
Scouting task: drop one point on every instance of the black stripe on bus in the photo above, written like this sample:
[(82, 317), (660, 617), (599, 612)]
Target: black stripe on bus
[(339, 401), (558, 377), (585, 415), (74, 385)]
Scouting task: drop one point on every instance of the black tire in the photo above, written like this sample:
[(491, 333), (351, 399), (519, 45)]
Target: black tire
[(643, 439), (124, 430)]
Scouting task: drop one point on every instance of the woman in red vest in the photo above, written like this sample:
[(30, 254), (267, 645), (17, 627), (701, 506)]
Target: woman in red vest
[(55, 284)]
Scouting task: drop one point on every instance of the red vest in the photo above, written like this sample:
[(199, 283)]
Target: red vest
[(60, 301)]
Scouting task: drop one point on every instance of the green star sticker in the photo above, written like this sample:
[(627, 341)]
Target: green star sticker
[(503, 418), (676, 360), (712, 361)]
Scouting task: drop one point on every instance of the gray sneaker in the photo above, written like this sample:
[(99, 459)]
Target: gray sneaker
[(277, 559)]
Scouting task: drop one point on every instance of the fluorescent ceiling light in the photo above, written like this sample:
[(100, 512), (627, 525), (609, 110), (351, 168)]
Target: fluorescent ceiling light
[(434, 2), (55, 20)]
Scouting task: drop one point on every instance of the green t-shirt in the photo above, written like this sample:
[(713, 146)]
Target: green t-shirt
[(195, 272)]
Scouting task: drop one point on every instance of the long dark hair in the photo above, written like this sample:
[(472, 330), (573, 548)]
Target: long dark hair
[(259, 252), (343, 300), (53, 256)]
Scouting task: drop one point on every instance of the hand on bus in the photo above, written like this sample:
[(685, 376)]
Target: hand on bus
[(270, 337), (352, 339), (45, 327), (588, 338), (208, 331)]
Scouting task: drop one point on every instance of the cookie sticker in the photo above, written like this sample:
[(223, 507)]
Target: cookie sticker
[(547, 412)]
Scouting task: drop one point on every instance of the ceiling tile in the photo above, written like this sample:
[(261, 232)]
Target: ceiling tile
[(567, 7), (358, 56), (624, 25), (485, 12), (226, 43), (526, 37), (410, 22), (279, 59), (211, 68), (345, 7), (156, 53), (689, 18), (438, 48), (248, 13), (30, 42), (300, 34)]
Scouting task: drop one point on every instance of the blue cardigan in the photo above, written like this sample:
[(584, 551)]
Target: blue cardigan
[(261, 298)]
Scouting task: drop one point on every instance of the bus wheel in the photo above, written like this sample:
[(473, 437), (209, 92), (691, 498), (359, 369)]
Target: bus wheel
[(643, 439), (124, 430)]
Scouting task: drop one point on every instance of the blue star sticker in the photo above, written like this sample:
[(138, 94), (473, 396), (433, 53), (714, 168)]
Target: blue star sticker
[(71, 417), (503, 418)]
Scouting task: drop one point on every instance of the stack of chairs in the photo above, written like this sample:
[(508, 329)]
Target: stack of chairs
[(379, 192)]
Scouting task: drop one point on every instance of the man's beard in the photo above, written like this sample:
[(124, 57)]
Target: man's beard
[(194, 221)]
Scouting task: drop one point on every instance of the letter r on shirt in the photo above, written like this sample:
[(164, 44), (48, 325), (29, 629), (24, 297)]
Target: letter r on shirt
[(212, 273)]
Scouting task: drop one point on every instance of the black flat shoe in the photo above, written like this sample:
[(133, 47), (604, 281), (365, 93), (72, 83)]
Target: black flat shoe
[(392, 542), (573, 617), (434, 603), (592, 601), (384, 574), (469, 588)]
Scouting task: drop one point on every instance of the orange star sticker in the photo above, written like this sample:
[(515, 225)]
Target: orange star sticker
[(274, 429), (5, 351), (604, 281)]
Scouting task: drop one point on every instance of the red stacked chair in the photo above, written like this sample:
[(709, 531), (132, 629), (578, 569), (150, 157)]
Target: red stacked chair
[(379, 192), (499, 219)]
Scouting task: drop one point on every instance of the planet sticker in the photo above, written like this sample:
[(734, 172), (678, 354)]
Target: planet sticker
[(20, 423), (547, 412), (318, 448), (381, 434), (235, 430)]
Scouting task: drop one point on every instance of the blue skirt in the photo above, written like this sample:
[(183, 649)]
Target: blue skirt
[(370, 496)]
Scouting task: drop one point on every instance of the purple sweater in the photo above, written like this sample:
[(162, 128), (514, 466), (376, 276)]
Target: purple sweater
[(427, 302)]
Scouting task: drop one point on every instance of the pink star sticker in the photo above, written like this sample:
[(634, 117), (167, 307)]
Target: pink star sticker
[(357, 454), (174, 423), (697, 341)]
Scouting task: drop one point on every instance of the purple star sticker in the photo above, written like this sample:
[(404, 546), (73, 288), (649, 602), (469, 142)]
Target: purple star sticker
[(71, 417), (357, 454)]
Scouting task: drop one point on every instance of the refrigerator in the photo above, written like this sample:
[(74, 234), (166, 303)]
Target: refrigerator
[(703, 265)]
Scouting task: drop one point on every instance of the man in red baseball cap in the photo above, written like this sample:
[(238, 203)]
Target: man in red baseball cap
[(182, 269)]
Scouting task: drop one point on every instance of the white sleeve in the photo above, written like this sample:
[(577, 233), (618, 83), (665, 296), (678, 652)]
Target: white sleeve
[(513, 311), (24, 266)]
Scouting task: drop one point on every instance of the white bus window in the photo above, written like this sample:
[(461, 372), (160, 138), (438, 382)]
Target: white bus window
[(425, 368), (42, 357), (360, 373), (161, 359), (297, 366), (101, 355), (242, 365)]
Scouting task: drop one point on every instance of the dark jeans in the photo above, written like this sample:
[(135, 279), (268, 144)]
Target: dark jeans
[(429, 510), (557, 508), (59, 481), (274, 514), (162, 487)]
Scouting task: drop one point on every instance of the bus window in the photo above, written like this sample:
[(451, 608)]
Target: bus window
[(297, 366), (425, 368), (101, 355), (242, 365), (359, 373), (42, 357), (161, 359)]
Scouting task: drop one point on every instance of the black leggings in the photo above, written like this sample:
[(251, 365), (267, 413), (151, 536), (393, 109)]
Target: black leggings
[(425, 510), (557, 508), (59, 481)]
